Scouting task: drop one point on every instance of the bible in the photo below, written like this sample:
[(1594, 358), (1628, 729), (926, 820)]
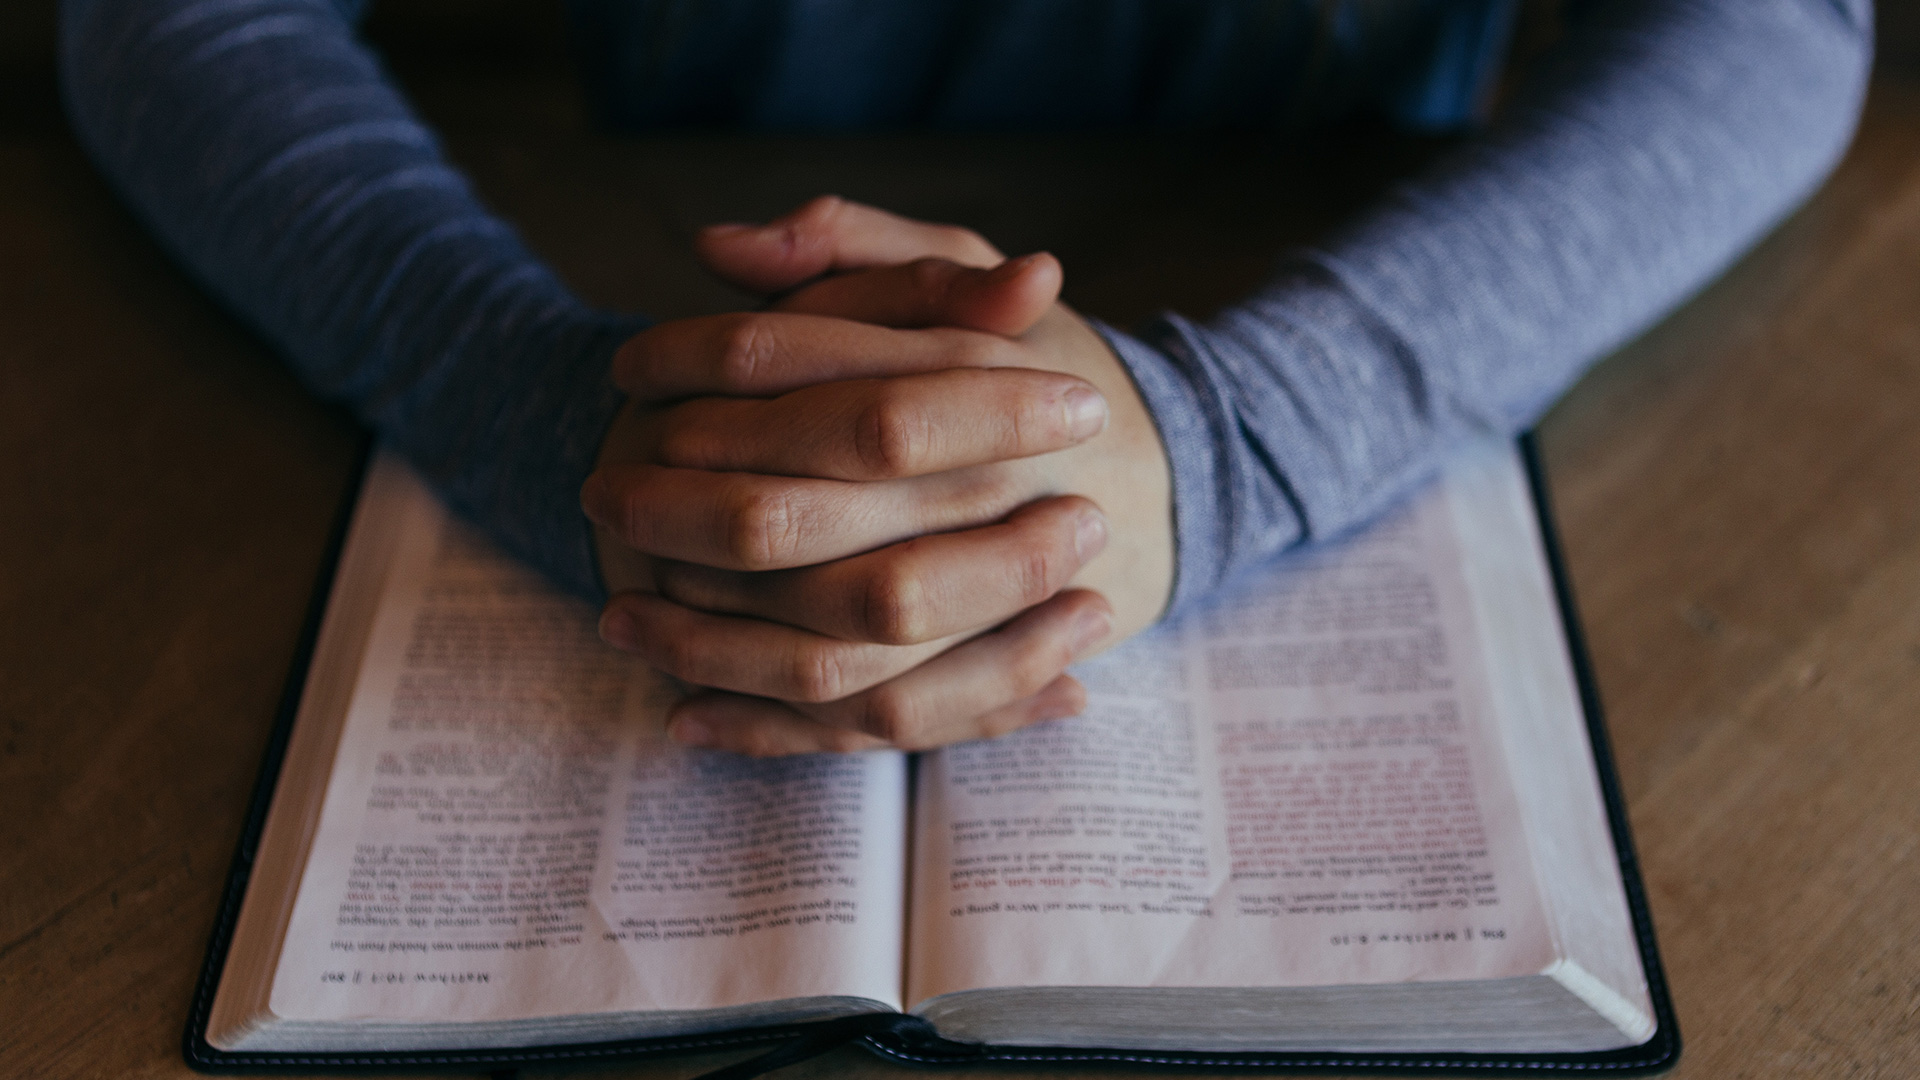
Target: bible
[(1357, 812)]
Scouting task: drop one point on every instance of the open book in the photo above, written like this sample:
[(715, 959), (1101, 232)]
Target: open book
[(1352, 811)]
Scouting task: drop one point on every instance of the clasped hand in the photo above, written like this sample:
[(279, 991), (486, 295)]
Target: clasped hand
[(887, 511)]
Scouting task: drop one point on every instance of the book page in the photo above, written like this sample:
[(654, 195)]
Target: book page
[(1303, 785), (508, 834), (1558, 783)]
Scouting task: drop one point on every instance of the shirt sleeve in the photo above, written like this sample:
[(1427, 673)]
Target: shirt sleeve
[(262, 143), (1665, 138)]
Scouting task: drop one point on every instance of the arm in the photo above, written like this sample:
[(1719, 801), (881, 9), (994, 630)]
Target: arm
[(1669, 136), (261, 143)]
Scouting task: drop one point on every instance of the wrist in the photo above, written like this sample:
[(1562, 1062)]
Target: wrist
[(1189, 421), (1125, 470)]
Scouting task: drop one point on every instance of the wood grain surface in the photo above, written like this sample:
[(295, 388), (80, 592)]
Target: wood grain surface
[(1739, 493)]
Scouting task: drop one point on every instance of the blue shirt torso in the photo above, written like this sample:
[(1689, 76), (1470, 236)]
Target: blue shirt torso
[(832, 65)]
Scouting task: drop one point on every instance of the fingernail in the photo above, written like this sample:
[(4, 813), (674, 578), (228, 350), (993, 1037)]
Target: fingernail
[(1060, 710), (1012, 268), (618, 629), (687, 731), (728, 228), (1089, 534), (1091, 627), (1086, 412), (592, 493)]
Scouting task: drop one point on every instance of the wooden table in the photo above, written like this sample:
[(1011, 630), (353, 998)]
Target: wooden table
[(1739, 492)]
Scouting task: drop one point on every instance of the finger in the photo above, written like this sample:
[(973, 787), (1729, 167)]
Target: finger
[(1007, 299), (759, 354), (745, 521), (829, 234), (883, 429), (758, 727), (961, 693), (763, 728), (751, 656), (919, 590)]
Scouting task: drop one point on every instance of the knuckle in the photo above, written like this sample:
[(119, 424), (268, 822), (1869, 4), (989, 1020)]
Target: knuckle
[(819, 673), (893, 607), (895, 716), (892, 436), (1032, 573), (625, 507), (813, 231), (822, 209), (762, 529), (746, 351), (1020, 432)]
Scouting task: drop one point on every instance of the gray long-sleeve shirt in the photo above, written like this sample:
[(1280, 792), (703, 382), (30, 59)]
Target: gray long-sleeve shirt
[(261, 141)]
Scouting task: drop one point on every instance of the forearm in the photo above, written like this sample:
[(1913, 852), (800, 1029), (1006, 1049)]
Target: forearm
[(1667, 138), (263, 145)]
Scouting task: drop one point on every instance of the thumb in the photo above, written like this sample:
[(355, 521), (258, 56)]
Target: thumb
[(827, 235), (1006, 300)]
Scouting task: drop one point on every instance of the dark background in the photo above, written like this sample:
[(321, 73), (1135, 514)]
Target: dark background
[(496, 28)]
